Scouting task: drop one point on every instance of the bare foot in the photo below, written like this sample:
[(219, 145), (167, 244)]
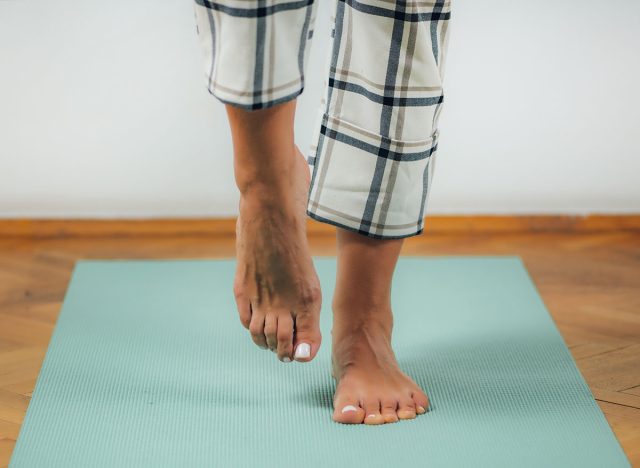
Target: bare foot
[(276, 287), (371, 388)]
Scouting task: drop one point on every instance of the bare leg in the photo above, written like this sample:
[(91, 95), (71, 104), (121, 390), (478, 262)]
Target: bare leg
[(371, 387), (276, 287)]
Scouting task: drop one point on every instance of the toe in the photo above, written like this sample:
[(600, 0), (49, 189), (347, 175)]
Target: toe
[(307, 337), (406, 408), (348, 411), (271, 330), (285, 337), (256, 328), (389, 410), (372, 412), (243, 305), (421, 401)]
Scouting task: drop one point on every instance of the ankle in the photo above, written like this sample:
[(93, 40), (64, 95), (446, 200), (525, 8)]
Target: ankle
[(268, 178), (349, 321), (264, 192), (366, 304), (277, 206)]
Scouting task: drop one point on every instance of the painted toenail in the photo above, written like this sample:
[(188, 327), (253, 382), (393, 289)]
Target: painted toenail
[(286, 359), (348, 408), (303, 351)]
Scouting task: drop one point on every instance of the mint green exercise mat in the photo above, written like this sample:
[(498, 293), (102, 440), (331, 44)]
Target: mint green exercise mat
[(149, 366)]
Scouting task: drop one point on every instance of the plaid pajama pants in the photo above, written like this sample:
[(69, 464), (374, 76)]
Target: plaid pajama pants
[(376, 137)]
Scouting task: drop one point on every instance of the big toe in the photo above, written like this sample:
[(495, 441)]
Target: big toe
[(348, 411), (307, 338)]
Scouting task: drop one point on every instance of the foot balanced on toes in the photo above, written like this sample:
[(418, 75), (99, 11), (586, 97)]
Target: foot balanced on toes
[(276, 287)]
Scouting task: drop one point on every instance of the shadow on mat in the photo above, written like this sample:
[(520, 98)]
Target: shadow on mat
[(317, 396)]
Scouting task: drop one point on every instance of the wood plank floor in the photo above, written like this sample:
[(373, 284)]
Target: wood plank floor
[(589, 281)]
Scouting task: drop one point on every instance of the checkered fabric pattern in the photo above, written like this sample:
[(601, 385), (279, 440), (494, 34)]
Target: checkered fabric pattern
[(373, 153)]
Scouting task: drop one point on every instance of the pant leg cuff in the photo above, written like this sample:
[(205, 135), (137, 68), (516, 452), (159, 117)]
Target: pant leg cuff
[(350, 227), (368, 183)]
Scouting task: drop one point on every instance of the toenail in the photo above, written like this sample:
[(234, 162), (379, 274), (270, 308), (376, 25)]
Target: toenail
[(286, 359), (303, 351), (371, 416), (348, 408), (421, 409)]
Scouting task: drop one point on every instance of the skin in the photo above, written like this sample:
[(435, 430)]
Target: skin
[(276, 287), (365, 368)]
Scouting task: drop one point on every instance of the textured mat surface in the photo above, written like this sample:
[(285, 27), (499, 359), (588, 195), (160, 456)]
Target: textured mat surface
[(149, 366)]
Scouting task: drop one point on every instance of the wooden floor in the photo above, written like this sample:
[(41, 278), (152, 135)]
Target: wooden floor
[(589, 279)]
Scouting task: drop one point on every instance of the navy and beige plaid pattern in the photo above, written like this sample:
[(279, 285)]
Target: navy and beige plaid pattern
[(376, 137)]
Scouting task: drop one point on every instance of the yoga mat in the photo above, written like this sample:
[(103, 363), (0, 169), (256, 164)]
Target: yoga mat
[(149, 366)]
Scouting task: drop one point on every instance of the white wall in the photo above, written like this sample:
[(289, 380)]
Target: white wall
[(103, 110)]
